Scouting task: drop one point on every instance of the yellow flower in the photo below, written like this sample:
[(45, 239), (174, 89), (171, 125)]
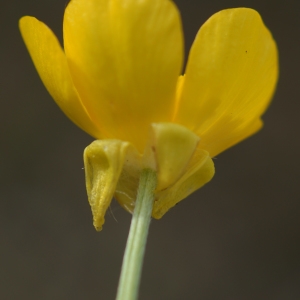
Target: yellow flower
[(118, 79)]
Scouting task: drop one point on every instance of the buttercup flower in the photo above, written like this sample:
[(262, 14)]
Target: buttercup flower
[(119, 79)]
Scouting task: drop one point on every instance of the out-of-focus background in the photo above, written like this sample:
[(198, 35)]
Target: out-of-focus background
[(236, 238)]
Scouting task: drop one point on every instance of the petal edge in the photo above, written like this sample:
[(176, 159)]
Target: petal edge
[(51, 64)]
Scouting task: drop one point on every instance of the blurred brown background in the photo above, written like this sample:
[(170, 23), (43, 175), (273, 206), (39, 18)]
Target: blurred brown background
[(237, 238)]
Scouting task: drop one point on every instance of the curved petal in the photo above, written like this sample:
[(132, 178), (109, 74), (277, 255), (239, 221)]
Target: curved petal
[(230, 78), (125, 58), (226, 132), (51, 64)]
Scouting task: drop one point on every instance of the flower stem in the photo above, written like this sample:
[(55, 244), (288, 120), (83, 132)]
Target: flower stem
[(136, 242)]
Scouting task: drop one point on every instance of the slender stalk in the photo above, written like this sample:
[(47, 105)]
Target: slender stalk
[(136, 242)]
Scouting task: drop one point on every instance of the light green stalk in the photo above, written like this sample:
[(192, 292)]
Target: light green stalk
[(136, 242)]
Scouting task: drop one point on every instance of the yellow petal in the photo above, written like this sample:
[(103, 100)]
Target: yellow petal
[(199, 171), (227, 132), (230, 78), (51, 64), (103, 161), (125, 58)]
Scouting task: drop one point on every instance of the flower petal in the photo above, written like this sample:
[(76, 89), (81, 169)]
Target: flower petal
[(125, 58), (103, 161), (230, 78), (51, 64), (227, 132), (199, 171)]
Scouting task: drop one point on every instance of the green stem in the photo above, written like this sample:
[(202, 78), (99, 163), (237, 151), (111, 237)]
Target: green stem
[(136, 242)]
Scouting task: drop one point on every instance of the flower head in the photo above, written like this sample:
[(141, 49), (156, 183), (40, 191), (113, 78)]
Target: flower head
[(119, 79)]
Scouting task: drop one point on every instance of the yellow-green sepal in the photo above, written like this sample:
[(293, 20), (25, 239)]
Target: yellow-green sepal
[(173, 146), (198, 172), (113, 168), (103, 161), (181, 166)]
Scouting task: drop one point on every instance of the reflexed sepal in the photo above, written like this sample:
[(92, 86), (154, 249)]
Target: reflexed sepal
[(181, 168), (113, 168), (103, 161), (173, 146), (199, 171), (169, 151), (126, 190)]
